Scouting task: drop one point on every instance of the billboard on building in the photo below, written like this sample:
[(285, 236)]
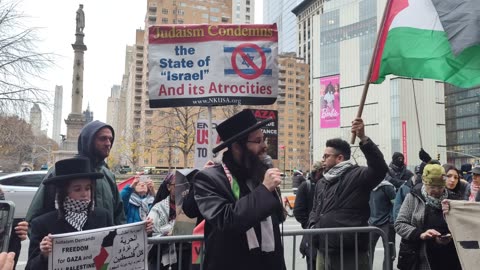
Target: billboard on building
[(201, 65), (270, 131), (330, 102)]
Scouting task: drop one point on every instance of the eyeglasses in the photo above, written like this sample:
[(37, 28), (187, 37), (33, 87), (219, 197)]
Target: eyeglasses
[(325, 156), (258, 141)]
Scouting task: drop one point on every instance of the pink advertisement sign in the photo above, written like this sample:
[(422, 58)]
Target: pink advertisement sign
[(330, 102)]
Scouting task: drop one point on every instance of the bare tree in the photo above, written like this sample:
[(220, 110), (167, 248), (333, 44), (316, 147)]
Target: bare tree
[(19, 145), (177, 131), (230, 110), (19, 61)]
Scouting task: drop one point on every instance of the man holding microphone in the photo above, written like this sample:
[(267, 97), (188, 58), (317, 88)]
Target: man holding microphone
[(239, 200)]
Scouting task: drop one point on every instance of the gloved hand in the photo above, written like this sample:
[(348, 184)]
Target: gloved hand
[(424, 156)]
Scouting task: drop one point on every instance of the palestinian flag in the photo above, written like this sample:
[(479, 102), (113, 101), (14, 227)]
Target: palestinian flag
[(436, 39)]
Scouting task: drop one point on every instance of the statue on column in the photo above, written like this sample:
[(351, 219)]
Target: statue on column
[(80, 20)]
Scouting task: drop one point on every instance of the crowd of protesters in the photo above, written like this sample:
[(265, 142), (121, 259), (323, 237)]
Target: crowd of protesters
[(239, 202)]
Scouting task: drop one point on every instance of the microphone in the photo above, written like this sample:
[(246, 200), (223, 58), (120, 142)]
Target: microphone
[(268, 161)]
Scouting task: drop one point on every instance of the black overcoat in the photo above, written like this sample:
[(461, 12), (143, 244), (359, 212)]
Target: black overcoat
[(228, 219)]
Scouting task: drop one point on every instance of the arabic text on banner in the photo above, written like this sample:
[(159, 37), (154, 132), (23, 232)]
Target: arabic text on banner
[(110, 248)]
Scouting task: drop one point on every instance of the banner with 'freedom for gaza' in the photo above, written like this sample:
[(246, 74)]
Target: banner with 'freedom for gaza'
[(198, 65)]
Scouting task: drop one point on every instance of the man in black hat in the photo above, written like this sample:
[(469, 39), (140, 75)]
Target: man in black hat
[(239, 200)]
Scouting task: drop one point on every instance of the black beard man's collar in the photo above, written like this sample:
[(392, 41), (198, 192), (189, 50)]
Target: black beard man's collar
[(240, 172)]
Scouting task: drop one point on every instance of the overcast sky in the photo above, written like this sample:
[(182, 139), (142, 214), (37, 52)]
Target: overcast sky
[(110, 26)]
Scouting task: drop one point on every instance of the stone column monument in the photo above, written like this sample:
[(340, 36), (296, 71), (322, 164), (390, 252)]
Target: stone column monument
[(75, 120)]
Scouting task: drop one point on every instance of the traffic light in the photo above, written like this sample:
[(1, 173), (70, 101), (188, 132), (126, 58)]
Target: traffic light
[(438, 157)]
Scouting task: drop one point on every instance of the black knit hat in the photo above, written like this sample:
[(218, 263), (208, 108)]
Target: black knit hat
[(72, 168), (238, 127)]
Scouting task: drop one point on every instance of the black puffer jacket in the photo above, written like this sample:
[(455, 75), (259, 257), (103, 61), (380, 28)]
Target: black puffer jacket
[(343, 202), (397, 176)]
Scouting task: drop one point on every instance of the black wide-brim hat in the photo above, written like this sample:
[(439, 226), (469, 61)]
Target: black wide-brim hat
[(70, 169), (238, 127)]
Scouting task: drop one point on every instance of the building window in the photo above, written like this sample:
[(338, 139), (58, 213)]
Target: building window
[(165, 20), (205, 15), (213, 19), (214, 9), (329, 45), (164, 11), (180, 12), (395, 116), (180, 21)]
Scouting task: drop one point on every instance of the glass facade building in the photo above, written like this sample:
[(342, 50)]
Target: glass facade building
[(280, 12), (462, 111)]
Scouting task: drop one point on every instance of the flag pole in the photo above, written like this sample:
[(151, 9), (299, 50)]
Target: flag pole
[(370, 68), (210, 155), (416, 113)]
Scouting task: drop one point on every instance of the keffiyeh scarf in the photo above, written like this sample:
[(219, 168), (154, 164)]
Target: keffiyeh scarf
[(142, 203), (432, 201), (266, 226), (76, 212), (473, 192), (337, 170)]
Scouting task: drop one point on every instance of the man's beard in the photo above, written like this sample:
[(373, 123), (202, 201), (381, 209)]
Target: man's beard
[(254, 166)]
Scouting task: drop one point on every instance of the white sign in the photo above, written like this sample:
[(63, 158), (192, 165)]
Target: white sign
[(116, 247), (201, 141), (198, 65), (463, 219)]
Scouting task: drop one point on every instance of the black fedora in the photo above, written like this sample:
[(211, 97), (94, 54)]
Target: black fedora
[(238, 127), (72, 168)]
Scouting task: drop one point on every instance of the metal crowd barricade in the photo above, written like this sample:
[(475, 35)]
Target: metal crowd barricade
[(187, 239)]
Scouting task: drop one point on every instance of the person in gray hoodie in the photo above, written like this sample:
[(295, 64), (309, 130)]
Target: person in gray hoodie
[(95, 141)]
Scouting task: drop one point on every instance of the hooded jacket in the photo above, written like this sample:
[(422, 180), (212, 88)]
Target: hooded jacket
[(398, 173), (107, 195), (381, 204)]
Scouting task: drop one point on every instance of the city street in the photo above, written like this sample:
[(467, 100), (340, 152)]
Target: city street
[(290, 224)]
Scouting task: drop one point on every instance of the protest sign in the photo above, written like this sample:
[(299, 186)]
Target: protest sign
[(110, 248), (201, 141), (270, 131), (463, 219), (201, 65), (183, 224)]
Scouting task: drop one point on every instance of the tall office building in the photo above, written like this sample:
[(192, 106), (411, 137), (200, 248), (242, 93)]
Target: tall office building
[(293, 106), (36, 119), (280, 12), (462, 108), (153, 128), (337, 39), (113, 107), (57, 114), (243, 11), (88, 115)]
